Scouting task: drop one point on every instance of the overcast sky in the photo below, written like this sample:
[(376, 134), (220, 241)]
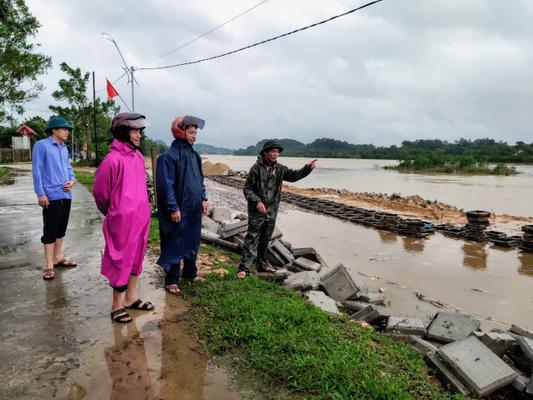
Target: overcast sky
[(398, 70)]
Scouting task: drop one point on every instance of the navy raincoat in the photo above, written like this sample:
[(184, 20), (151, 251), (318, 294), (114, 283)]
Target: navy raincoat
[(180, 186)]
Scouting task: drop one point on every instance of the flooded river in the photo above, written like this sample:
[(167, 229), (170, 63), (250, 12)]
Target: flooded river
[(500, 194), (492, 282)]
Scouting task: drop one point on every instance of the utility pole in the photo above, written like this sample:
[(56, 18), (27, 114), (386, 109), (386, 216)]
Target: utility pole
[(128, 69), (94, 121)]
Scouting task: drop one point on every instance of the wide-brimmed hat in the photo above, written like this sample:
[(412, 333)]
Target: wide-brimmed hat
[(56, 123), (271, 144)]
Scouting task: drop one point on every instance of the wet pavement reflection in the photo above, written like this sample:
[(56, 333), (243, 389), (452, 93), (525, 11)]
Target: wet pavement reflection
[(57, 338)]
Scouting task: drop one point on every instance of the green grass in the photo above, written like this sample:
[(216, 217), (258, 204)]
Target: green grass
[(4, 172), (300, 349), (85, 178), (153, 236)]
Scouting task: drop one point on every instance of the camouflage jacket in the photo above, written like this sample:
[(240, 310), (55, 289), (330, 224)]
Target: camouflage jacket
[(264, 184)]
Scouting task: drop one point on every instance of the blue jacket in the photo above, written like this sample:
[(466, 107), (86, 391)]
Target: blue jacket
[(180, 187), (51, 169)]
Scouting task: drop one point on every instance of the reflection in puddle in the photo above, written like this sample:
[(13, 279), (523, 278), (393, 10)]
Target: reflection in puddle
[(526, 263), (387, 237), (475, 255), (413, 245)]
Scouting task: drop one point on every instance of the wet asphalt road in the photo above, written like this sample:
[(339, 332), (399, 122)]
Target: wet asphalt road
[(57, 339)]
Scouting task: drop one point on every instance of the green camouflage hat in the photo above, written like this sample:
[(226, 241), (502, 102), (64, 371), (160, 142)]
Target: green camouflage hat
[(57, 122), (271, 144)]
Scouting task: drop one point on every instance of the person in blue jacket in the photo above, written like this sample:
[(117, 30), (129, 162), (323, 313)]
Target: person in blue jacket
[(181, 201), (53, 180)]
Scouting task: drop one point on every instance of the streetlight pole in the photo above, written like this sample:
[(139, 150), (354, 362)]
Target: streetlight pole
[(129, 70)]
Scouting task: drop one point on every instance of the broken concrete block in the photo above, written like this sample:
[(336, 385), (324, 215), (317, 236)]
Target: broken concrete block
[(232, 228), (445, 374), (450, 327), (276, 234), (283, 252), (411, 326), (274, 257), (477, 366), (213, 238), (210, 225), (526, 344), (372, 298), (353, 305), (322, 301), (310, 253), (529, 388), (521, 382), (521, 331), (340, 285), (282, 274), (307, 264), (421, 346), (238, 240), (240, 215), (498, 342), (367, 314), (221, 214), (303, 281)]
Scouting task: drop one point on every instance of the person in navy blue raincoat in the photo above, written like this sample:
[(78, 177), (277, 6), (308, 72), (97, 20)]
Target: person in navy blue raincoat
[(181, 201)]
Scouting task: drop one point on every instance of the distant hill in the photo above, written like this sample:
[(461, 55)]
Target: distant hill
[(289, 146), (208, 149)]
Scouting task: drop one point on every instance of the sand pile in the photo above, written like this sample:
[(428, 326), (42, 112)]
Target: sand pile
[(214, 169)]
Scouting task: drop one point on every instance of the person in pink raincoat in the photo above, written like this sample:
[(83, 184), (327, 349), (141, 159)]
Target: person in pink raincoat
[(120, 194)]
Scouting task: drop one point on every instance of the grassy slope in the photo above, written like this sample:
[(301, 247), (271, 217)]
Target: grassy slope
[(4, 172)]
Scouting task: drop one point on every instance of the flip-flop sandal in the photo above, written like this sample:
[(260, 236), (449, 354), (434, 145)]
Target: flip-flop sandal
[(66, 263), (48, 274), (173, 289), (140, 305), (121, 316)]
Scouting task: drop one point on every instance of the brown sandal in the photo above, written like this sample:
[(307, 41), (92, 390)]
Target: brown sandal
[(48, 274)]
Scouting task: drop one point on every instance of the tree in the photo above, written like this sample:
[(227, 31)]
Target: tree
[(21, 63), (79, 110)]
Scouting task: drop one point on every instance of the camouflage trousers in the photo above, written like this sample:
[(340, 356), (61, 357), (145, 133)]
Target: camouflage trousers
[(255, 247)]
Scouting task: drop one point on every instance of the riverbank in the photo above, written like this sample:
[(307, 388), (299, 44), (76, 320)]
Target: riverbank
[(411, 206)]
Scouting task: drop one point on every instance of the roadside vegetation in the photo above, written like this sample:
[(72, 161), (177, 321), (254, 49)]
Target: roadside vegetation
[(463, 165), (4, 173), (296, 350), (85, 178)]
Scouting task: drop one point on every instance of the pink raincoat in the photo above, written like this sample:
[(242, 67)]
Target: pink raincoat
[(120, 194)]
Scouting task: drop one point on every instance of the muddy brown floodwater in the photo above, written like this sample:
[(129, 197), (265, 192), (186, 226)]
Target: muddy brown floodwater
[(57, 339), (492, 282)]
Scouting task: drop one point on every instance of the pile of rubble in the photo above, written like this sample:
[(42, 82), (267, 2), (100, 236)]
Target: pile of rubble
[(527, 238), (465, 359)]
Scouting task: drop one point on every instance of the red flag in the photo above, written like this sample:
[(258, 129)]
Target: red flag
[(111, 92)]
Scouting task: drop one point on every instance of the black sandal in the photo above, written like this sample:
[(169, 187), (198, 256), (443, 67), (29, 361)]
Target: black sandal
[(136, 305), (121, 316)]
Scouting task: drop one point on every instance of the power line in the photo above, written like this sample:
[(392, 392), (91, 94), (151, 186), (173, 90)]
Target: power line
[(262, 42), (206, 33), (115, 81)]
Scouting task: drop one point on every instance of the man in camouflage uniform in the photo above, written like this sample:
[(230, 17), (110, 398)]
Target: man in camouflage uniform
[(263, 192)]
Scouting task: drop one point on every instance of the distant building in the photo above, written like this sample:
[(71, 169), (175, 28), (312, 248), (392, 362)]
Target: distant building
[(22, 139)]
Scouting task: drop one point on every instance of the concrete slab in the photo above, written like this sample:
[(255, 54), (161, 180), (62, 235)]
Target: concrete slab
[(340, 285), (210, 225), (445, 375), (221, 214), (477, 366), (303, 281), (232, 228), (322, 301), (372, 298), (529, 388), (283, 251), (450, 327), (521, 331), (366, 314), (521, 382), (412, 326), (526, 344), (498, 342), (354, 305), (307, 264), (421, 346)]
